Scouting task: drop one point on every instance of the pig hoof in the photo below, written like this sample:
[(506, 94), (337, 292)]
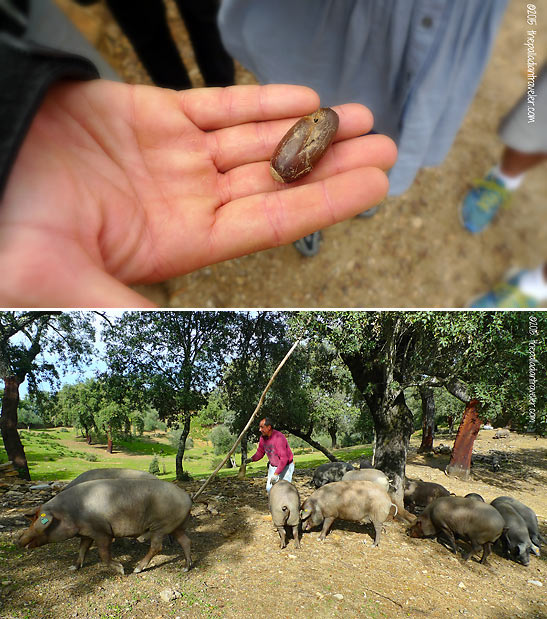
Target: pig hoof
[(73, 568), (137, 570), (118, 568)]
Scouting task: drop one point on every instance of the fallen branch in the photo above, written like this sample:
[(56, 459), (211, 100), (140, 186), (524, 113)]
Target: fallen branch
[(258, 406), (383, 596)]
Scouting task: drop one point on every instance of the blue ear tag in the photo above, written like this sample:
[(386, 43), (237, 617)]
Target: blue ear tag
[(44, 519)]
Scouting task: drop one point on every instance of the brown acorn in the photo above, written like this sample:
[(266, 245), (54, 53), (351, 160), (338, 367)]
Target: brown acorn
[(303, 145)]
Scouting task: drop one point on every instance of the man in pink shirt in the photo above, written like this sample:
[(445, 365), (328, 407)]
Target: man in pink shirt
[(274, 444)]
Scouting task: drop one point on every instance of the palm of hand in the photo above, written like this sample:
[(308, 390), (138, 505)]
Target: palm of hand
[(138, 184)]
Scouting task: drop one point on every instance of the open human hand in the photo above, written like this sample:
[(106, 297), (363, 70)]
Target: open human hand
[(117, 185)]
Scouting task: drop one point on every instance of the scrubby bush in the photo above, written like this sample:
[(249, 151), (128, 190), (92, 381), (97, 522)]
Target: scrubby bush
[(154, 467), (296, 442), (222, 439), (351, 438), (152, 421), (174, 439)]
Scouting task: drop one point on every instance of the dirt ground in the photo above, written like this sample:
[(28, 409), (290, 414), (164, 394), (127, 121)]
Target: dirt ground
[(241, 572), (414, 252)]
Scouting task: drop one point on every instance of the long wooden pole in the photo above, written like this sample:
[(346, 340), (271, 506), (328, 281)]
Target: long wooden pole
[(252, 417)]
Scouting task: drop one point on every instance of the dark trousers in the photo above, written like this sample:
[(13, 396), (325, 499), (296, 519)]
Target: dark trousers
[(144, 22)]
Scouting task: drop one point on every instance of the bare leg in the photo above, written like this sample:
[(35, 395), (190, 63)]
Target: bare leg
[(327, 523), (185, 544), (515, 162), (282, 536), (156, 540), (296, 534), (85, 543), (103, 544)]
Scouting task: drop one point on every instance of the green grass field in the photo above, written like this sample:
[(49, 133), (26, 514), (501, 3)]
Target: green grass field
[(63, 454)]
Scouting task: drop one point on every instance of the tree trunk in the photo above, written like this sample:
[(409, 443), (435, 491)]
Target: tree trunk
[(243, 467), (393, 423), (393, 427), (460, 461), (109, 444), (8, 425), (180, 451), (332, 431), (428, 419), (313, 443), (458, 389)]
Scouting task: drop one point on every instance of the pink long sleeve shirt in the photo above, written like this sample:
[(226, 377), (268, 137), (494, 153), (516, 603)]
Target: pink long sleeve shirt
[(276, 448)]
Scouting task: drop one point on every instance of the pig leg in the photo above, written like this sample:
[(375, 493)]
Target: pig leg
[(486, 550), (282, 537), (184, 542), (474, 548), (450, 536), (103, 545), (377, 531), (85, 543), (156, 544), (327, 523), (295, 534)]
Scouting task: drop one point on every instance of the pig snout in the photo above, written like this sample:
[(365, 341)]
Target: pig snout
[(522, 554), (37, 533), (415, 530), (27, 540)]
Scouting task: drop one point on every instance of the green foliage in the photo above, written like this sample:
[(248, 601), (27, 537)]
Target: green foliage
[(350, 439), (152, 421), (296, 442), (258, 345), (215, 411), (222, 439), (30, 341), (174, 358), (174, 439), (27, 415), (154, 467)]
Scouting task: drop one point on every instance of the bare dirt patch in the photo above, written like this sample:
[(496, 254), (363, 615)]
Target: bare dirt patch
[(240, 570)]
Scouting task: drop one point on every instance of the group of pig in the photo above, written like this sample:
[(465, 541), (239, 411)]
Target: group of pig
[(103, 504), (350, 494)]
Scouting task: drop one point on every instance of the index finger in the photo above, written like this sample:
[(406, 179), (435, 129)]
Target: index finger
[(215, 108)]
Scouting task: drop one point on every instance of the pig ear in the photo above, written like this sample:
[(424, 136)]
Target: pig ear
[(304, 513), (43, 521)]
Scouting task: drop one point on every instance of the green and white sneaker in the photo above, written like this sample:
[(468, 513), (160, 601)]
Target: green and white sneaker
[(482, 202), (506, 294)]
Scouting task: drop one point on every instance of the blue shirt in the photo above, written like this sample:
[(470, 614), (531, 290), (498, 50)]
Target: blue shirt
[(415, 63)]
